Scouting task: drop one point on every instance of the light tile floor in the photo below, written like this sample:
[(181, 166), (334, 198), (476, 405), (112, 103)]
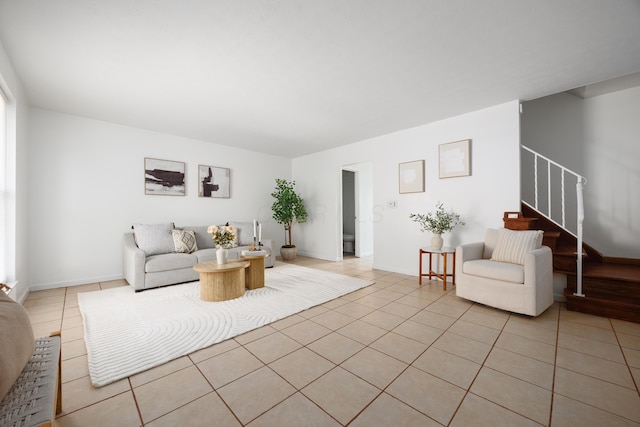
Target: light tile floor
[(390, 354)]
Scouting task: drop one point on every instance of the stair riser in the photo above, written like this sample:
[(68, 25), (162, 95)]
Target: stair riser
[(607, 289), (564, 263), (600, 307)]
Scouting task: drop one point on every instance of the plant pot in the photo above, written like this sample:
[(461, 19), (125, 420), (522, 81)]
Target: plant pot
[(221, 256), (436, 242), (288, 253)]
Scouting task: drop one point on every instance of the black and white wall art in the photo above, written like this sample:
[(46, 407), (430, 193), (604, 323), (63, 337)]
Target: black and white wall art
[(214, 182), (164, 177)]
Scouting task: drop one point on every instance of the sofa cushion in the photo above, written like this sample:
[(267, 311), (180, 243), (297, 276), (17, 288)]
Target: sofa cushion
[(166, 262), (154, 239), (244, 231), (184, 241), (506, 272), (16, 342), (203, 239), (513, 245)]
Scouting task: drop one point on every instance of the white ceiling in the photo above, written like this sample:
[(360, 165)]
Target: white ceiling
[(292, 77)]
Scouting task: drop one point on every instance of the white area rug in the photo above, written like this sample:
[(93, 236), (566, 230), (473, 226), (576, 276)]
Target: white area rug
[(127, 332)]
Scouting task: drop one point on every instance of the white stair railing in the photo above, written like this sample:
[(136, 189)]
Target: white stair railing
[(542, 162)]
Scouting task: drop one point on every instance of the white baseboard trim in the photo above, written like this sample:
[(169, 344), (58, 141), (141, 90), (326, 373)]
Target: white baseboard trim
[(77, 282), (394, 270)]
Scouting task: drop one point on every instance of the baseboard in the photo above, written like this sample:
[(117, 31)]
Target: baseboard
[(77, 282), (17, 293), (395, 270)]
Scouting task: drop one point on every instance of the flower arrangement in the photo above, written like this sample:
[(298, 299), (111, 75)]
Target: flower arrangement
[(224, 236), (437, 222)]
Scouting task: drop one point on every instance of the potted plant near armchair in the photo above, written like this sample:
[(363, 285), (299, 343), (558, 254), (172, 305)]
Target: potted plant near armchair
[(288, 209), (437, 223)]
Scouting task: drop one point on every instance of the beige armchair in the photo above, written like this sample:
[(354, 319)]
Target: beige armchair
[(510, 270)]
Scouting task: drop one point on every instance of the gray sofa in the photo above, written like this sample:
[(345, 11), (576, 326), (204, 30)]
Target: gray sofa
[(151, 258)]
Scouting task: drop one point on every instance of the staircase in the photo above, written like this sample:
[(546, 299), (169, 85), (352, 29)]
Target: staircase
[(611, 286)]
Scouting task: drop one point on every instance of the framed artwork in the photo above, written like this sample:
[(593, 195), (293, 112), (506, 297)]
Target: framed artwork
[(214, 182), (411, 177), (455, 159), (164, 177)]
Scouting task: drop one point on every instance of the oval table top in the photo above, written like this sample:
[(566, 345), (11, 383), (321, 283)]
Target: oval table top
[(214, 267)]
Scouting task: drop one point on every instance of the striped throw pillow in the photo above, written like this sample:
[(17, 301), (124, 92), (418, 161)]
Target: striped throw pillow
[(513, 245)]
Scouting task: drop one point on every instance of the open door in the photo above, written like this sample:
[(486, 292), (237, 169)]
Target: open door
[(356, 230)]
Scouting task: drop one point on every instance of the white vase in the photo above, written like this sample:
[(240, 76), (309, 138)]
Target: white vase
[(436, 242), (221, 255)]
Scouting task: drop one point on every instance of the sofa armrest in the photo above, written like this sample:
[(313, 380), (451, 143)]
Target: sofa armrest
[(269, 259), (134, 261)]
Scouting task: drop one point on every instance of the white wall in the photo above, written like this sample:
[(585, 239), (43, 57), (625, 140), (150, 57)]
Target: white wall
[(481, 198), (18, 176), (597, 137), (86, 189)]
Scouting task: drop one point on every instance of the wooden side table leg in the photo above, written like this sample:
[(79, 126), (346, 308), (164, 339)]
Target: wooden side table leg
[(453, 276), (420, 268), (430, 266), (444, 272)]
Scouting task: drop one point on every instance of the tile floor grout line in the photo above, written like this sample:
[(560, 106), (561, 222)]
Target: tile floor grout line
[(468, 389), (215, 390), (555, 367), (135, 401), (624, 357)]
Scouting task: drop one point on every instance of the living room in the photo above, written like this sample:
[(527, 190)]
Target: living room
[(78, 176)]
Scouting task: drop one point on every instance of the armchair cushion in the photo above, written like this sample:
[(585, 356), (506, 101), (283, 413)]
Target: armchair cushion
[(513, 245), (503, 271)]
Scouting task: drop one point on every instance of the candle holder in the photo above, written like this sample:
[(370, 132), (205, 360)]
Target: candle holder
[(256, 243)]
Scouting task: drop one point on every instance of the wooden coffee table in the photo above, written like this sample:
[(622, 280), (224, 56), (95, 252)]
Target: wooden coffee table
[(221, 282), (255, 273)]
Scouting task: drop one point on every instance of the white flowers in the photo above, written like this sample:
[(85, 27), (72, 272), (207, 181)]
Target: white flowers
[(224, 236)]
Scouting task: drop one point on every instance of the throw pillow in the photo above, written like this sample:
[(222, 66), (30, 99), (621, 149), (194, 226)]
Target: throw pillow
[(513, 245), (16, 342), (184, 241), (154, 239), (244, 231)]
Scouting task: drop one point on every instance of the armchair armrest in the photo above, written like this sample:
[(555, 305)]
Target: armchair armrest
[(538, 266), (538, 279), (133, 262), (468, 252)]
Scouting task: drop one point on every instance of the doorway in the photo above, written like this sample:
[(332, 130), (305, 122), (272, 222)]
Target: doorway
[(348, 213), (356, 227)]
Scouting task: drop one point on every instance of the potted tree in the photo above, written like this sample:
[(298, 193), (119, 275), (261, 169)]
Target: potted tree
[(288, 209)]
